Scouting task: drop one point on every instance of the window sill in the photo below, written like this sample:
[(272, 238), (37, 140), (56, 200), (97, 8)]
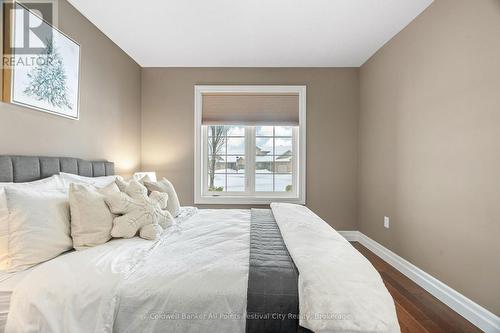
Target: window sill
[(245, 200)]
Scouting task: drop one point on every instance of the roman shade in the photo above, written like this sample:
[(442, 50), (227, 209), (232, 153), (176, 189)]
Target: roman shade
[(250, 109)]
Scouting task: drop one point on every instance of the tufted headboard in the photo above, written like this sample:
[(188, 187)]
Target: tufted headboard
[(20, 169)]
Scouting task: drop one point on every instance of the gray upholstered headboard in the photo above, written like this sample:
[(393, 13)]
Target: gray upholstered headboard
[(20, 169)]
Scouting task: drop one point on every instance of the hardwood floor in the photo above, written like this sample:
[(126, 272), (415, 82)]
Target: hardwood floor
[(418, 311)]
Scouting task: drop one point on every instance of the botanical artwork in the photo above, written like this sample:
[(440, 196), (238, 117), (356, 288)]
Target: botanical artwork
[(50, 83)]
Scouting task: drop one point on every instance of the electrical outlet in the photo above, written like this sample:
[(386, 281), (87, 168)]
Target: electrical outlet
[(386, 222)]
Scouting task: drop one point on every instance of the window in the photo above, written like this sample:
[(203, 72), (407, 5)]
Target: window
[(274, 151), (249, 162), (226, 147), (266, 166)]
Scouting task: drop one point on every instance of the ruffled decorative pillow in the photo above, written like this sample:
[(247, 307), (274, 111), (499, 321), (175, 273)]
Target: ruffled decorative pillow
[(138, 212), (122, 184), (164, 186)]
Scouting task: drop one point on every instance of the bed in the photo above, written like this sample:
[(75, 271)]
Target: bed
[(281, 269)]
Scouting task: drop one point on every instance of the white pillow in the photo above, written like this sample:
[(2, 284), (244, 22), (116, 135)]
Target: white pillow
[(54, 182), (122, 183), (91, 219), (164, 186), (39, 226), (139, 213), (98, 182)]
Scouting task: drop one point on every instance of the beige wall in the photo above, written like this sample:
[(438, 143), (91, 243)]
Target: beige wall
[(332, 117), (110, 95), (429, 146)]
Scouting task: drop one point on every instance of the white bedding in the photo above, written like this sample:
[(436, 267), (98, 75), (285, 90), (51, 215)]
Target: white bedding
[(200, 267), (194, 279), (8, 282), (339, 290)]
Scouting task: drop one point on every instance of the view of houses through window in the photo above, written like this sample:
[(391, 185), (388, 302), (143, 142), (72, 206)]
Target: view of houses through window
[(250, 159), (273, 159), (226, 158)]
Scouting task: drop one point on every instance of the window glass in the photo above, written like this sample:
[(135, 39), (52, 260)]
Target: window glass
[(226, 158), (236, 146), (273, 160), (264, 131), (283, 131), (263, 183)]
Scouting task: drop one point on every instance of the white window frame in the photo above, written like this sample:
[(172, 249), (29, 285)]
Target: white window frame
[(201, 194)]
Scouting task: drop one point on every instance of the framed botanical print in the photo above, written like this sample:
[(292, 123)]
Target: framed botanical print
[(42, 70)]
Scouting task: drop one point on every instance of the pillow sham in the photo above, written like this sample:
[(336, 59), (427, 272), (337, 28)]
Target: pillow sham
[(54, 182), (91, 219), (39, 226), (99, 182), (164, 186)]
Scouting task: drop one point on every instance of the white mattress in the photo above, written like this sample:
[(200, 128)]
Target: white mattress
[(8, 281)]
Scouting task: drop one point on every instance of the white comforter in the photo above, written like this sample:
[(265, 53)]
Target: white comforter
[(194, 279), (339, 290)]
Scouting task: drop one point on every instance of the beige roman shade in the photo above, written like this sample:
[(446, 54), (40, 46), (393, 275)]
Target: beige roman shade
[(250, 109)]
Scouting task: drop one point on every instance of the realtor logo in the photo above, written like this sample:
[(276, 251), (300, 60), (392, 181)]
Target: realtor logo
[(26, 28)]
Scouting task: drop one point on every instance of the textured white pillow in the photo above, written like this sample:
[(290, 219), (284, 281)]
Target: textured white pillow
[(122, 184), (39, 226), (139, 213), (164, 186), (91, 219), (54, 182), (99, 182)]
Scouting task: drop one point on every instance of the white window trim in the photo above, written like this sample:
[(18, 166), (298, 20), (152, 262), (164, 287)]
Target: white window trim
[(266, 198)]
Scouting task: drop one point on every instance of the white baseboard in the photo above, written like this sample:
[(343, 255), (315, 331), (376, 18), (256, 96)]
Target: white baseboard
[(473, 312), (351, 236)]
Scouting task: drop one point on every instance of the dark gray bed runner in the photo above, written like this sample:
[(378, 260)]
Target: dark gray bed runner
[(272, 297)]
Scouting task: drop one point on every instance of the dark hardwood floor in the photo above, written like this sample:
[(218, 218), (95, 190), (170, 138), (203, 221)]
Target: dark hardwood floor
[(418, 311)]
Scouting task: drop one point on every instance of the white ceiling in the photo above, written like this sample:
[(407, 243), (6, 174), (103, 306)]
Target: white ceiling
[(250, 33)]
